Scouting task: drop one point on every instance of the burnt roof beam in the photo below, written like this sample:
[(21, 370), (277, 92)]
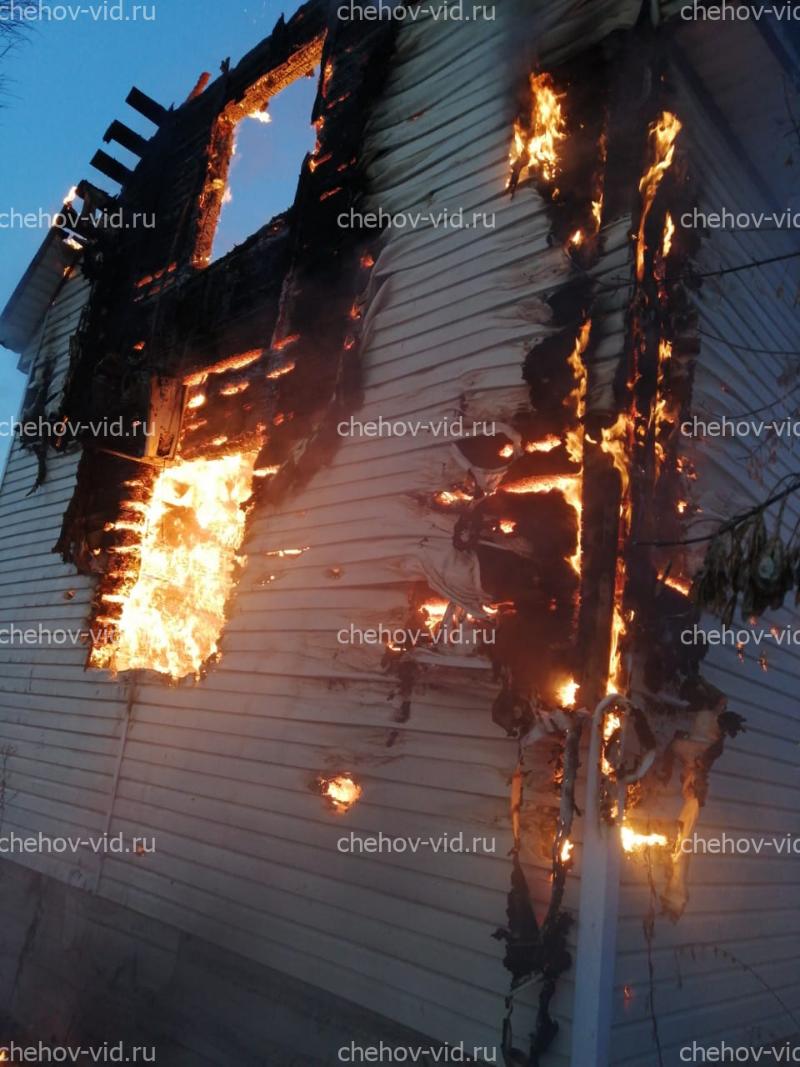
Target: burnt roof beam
[(146, 106), (112, 168), (126, 137)]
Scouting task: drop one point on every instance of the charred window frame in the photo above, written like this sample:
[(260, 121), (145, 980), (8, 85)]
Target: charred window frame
[(221, 145)]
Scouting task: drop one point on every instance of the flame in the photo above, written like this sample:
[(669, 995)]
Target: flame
[(669, 233), (547, 444), (535, 149), (681, 585), (632, 841), (662, 135), (566, 851), (661, 416), (611, 723), (434, 611), (506, 452), (342, 792), (507, 526), (283, 553), (567, 693), (263, 117), (576, 239), (577, 397), (454, 496), (682, 505), (569, 485), (71, 195), (615, 440), (174, 609), (196, 401), (597, 211), (616, 677)]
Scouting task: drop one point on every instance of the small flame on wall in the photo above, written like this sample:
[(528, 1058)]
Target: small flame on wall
[(341, 792), (632, 841), (568, 693), (535, 149)]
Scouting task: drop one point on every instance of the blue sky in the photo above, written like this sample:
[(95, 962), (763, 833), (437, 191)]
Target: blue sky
[(69, 80)]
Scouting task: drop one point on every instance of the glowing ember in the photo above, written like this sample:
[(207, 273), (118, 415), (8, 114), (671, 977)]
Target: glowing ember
[(282, 553), (506, 452), (535, 149), (566, 851), (663, 134), (174, 608), (234, 388), (568, 693), (682, 505), (244, 359), (279, 372), (635, 842), (547, 444), (669, 233), (342, 792), (507, 526)]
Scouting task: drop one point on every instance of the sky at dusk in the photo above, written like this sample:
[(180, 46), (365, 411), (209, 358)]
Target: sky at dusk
[(68, 81)]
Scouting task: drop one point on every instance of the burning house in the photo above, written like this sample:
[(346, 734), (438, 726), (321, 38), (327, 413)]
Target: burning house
[(392, 525)]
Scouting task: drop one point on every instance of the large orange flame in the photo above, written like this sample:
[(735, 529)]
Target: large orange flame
[(174, 609), (662, 136), (536, 147), (632, 841)]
